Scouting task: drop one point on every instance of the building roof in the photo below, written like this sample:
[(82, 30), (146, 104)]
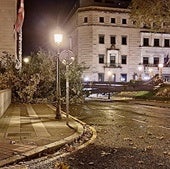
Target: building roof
[(82, 4), (105, 3)]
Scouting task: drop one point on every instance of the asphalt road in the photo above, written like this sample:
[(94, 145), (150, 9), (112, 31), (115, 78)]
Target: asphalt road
[(131, 135)]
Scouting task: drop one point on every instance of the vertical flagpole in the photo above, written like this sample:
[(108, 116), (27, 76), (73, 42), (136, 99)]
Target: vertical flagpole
[(20, 49), (18, 29)]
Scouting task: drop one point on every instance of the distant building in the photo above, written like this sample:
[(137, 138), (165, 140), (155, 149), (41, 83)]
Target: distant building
[(8, 12), (108, 42)]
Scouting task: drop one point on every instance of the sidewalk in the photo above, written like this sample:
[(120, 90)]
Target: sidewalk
[(28, 129)]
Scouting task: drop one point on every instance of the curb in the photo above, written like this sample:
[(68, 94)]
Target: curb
[(41, 149), (56, 145), (91, 141)]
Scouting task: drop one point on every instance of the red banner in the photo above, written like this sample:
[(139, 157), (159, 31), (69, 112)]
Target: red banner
[(20, 17)]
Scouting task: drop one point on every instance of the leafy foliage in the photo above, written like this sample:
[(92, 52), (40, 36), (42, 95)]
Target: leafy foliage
[(151, 13), (7, 70), (37, 78), (36, 73), (75, 82)]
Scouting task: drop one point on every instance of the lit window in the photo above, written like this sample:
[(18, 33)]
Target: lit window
[(112, 60), (123, 77)]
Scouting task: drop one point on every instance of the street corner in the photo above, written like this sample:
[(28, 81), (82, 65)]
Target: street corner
[(82, 137)]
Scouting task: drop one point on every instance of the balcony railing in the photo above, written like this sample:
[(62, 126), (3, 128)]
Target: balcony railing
[(112, 65), (155, 65)]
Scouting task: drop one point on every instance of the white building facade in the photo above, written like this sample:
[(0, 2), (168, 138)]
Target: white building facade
[(106, 40), (8, 12)]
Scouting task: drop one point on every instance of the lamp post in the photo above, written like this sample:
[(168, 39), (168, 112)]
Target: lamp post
[(160, 66), (58, 39), (109, 79), (67, 58)]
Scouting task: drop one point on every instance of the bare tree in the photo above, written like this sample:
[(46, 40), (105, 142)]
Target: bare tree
[(151, 13)]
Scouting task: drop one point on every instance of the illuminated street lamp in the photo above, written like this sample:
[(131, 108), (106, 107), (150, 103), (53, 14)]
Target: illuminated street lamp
[(26, 60), (58, 39), (67, 58), (140, 69), (160, 66)]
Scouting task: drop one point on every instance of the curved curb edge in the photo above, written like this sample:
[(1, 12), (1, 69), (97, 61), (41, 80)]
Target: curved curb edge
[(55, 145)]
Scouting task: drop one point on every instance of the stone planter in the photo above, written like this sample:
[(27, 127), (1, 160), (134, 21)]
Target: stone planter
[(5, 100)]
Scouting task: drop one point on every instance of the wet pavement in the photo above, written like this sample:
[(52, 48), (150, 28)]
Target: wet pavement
[(28, 129), (131, 135)]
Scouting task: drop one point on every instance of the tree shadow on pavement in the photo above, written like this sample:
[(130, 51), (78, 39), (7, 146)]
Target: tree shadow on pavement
[(98, 157)]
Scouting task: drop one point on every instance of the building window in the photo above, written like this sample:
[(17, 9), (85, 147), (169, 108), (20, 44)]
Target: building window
[(156, 42), (145, 60), (124, 21), (123, 59), (101, 39), (166, 60), (113, 40), (123, 77), (124, 40), (156, 60), (85, 19), (112, 60), (113, 20), (167, 43), (101, 58), (101, 19), (101, 77), (145, 41)]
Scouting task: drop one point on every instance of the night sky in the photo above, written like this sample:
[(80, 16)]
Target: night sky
[(41, 17)]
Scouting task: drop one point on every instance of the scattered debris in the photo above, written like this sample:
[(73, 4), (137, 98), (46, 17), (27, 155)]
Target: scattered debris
[(141, 162), (148, 148), (141, 137), (149, 133), (160, 138), (103, 153), (61, 165), (91, 163), (127, 139)]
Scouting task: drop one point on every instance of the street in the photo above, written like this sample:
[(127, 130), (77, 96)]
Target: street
[(131, 135)]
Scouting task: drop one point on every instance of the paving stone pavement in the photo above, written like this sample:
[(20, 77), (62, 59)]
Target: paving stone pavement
[(26, 129)]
